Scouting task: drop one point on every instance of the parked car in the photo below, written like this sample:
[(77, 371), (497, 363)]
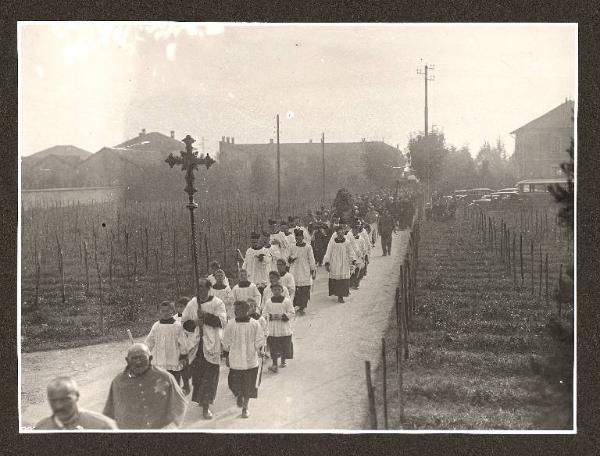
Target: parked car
[(485, 200)]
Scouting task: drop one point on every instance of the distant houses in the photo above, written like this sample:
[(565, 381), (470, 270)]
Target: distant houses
[(68, 173), (541, 145), (70, 166), (52, 168), (136, 169), (255, 167)]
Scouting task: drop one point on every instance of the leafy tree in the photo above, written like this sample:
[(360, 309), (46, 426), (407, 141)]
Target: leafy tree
[(343, 202), (378, 165), (494, 169), (427, 154), (457, 171)]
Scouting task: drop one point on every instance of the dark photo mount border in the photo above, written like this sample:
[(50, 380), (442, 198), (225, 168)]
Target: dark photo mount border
[(583, 12)]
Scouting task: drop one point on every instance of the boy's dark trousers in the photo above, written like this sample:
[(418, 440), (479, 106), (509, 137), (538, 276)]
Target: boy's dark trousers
[(184, 374), (386, 243), (355, 278)]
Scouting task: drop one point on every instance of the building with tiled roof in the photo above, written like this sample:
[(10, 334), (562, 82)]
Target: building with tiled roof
[(302, 167), (541, 144)]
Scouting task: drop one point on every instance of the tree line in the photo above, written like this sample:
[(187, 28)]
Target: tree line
[(452, 168)]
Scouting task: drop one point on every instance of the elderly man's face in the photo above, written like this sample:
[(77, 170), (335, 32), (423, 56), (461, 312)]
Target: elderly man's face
[(63, 401), (138, 360), (203, 287)]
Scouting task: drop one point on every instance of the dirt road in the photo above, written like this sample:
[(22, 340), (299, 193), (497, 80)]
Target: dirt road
[(322, 388)]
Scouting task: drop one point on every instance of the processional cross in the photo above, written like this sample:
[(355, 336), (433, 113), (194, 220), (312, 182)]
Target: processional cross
[(189, 162)]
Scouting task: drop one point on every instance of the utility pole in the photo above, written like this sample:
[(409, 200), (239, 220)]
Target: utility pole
[(427, 77), (278, 172), (323, 154)]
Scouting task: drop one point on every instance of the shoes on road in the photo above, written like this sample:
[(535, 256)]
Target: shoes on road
[(207, 414), (245, 413), (283, 364), (340, 299), (273, 369)]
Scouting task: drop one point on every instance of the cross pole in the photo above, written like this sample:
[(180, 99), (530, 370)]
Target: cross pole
[(189, 162)]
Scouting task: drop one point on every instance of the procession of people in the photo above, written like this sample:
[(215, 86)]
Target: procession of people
[(241, 326)]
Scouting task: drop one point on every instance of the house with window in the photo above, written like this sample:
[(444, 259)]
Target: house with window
[(541, 144)]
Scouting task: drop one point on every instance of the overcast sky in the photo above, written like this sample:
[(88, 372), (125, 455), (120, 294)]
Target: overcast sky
[(98, 84)]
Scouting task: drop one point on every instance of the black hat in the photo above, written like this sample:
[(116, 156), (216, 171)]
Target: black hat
[(283, 222), (298, 232), (254, 235), (290, 219), (272, 222)]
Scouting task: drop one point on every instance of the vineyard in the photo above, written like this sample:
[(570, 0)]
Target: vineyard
[(89, 272), (482, 335)]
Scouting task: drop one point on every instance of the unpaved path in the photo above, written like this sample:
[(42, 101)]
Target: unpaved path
[(322, 388)]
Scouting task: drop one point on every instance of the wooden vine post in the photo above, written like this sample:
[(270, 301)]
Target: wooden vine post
[(38, 268), (521, 256), (127, 255), (371, 396), (61, 269), (532, 266), (110, 260), (145, 253), (100, 297), (87, 270), (384, 365), (541, 275)]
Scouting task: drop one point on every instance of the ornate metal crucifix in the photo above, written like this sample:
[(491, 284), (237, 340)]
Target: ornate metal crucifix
[(189, 162)]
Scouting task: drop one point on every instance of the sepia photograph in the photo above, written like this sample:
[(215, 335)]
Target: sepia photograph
[(297, 227)]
